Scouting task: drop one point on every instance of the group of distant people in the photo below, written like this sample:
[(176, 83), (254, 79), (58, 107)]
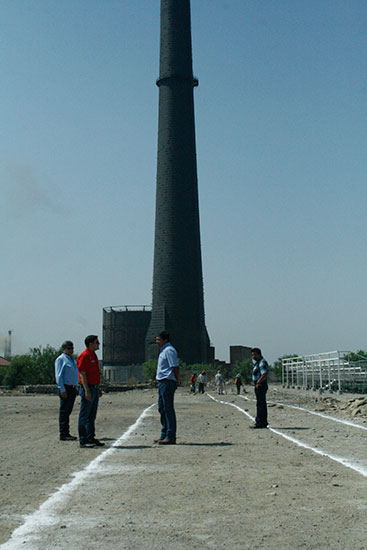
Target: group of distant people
[(201, 380), (82, 376)]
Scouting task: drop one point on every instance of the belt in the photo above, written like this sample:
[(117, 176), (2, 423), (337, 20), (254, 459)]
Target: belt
[(69, 386)]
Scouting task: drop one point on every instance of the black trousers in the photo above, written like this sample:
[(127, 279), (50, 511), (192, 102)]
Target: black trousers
[(66, 407), (261, 407)]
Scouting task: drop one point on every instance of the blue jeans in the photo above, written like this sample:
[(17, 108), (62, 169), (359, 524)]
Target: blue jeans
[(261, 407), (166, 392), (87, 415)]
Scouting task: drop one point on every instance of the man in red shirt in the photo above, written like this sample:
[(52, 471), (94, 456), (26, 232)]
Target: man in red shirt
[(89, 378)]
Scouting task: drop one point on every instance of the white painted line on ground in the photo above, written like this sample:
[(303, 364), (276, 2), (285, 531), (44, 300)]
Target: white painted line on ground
[(47, 514), (232, 405), (326, 416), (341, 460), (344, 461)]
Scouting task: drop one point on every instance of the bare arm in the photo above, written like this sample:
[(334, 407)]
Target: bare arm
[(176, 371), (261, 379)]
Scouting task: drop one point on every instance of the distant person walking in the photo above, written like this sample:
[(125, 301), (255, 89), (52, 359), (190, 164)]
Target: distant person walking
[(238, 383), (259, 376), (193, 382), (66, 374), (219, 382), (168, 377), (90, 393), (202, 381)]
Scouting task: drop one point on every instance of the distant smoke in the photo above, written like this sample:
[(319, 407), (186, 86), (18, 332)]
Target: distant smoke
[(4, 344), (25, 191)]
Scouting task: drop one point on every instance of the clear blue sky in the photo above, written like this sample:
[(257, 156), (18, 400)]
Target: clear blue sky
[(281, 143)]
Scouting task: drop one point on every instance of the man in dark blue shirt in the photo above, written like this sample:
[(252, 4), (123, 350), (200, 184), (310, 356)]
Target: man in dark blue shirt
[(259, 377)]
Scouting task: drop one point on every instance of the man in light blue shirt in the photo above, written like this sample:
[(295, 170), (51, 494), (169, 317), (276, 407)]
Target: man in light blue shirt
[(66, 374), (168, 377)]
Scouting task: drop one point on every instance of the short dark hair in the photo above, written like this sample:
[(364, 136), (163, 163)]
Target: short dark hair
[(90, 339), (164, 335), (67, 344), (256, 350)]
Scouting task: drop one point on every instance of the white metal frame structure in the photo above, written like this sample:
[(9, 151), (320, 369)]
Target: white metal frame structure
[(329, 370)]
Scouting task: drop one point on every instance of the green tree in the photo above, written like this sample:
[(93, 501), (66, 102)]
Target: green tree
[(187, 370), (35, 367), (44, 359), (244, 368), (3, 370), (277, 365), (20, 371), (150, 369), (357, 356)]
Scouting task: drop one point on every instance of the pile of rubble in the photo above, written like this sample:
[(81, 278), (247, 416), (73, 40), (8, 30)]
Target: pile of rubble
[(356, 406)]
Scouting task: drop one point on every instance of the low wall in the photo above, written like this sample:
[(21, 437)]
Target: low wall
[(51, 389)]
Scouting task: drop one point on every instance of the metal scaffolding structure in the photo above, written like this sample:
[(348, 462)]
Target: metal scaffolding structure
[(333, 370)]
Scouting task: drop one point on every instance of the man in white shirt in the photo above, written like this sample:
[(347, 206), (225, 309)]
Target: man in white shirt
[(168, 377), (219, 382), (202, 381)]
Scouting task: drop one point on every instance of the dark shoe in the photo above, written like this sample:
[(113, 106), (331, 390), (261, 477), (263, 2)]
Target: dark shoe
[(257, 427), (87, 445), (167, 441), (98, 443), (68, 438), (158, 440)]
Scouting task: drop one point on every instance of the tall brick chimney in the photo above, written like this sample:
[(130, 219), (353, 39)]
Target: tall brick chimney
[(178, 297)]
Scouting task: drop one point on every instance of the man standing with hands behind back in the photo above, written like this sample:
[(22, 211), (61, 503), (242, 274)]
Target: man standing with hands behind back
[(168, 377), (259, 376), (90, 393), (66, 374)]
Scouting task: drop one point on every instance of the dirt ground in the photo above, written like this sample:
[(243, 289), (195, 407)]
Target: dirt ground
[(300, 484)]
